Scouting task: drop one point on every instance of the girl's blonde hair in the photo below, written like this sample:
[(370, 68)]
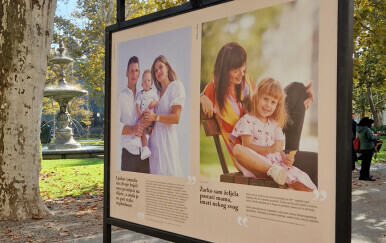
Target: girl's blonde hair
[(271, 87)]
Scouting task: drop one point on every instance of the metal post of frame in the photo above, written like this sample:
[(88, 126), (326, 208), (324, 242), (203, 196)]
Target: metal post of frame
[(195, 3), (121, 11), (344, 110), (106, 183)]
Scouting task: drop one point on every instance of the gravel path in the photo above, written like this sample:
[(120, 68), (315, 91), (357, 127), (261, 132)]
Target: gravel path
[(71, 218)]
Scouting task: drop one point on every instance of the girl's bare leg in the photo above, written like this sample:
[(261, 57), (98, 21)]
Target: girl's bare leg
[(248, 160), (300, 187)]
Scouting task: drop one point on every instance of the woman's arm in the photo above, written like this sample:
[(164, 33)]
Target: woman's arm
[(310, 96), (172, 118), (247, 141), (370, 135), (207, 105), (207, 99)]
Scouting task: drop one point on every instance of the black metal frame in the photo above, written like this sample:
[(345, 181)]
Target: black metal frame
[(122, 24), (343, 122), (343, 136)]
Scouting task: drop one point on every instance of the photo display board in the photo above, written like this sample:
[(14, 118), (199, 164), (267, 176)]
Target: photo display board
[(263, 168)]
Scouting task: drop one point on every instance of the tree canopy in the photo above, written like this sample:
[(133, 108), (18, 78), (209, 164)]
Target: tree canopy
[(84, 35), (369, 59)]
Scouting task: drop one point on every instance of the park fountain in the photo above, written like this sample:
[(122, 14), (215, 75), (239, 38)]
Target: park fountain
[(63, 93)]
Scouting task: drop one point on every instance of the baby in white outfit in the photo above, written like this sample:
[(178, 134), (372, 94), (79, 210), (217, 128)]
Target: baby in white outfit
[(146, 99)]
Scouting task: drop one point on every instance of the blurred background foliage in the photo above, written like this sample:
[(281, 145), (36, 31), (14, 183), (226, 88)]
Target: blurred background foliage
[(245, 29), (369, 59)]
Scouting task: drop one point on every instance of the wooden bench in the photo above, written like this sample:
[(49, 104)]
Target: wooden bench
[(305, 161), (212, 129)]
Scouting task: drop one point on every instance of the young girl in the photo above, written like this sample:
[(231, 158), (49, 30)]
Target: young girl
[(260, 131)]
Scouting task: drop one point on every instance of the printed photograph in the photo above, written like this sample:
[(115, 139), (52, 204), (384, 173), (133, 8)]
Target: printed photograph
[(153, 93), (259, 97)]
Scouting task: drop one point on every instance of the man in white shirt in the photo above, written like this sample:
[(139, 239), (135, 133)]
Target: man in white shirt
[(131, 153)]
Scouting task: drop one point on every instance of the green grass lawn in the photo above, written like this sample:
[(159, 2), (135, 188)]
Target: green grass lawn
[(71, 177), (381, 155), (210, 166), (85, 142)]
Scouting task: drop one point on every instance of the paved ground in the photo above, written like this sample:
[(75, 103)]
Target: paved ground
[(368, 214), (122, 236), (369, 207)]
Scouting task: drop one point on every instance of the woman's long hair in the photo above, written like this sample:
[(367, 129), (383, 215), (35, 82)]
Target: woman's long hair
[(271, 87), (171, 73), (230, 56)]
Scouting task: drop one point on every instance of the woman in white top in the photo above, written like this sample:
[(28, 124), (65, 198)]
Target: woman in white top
[(163, 141)]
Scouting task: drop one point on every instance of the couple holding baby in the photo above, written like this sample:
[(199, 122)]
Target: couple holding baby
[(154, 113), (251, 119)]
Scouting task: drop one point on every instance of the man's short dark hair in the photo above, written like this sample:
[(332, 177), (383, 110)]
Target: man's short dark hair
[(132, 59)]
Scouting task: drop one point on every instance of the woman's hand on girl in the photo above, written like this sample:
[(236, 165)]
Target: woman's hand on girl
[(307, 102), (207, 106), (149, 115)]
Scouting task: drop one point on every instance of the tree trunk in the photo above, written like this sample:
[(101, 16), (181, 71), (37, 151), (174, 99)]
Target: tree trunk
[(25, 38), (376, 116)]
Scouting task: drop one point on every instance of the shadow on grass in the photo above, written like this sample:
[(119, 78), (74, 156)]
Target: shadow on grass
[(71, 177), (72, 162)]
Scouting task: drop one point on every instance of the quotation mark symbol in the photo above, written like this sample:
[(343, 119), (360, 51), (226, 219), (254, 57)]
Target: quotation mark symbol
[(192, 180), (141, 216), (322, 194), (242, 221)]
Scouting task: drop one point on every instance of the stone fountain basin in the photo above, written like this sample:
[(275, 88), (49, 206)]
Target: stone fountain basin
[(63, 93), (86, 151), (61, 60)]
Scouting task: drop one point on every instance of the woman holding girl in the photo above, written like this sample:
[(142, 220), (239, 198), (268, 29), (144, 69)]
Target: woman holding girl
[(163, 141), (224, 95)]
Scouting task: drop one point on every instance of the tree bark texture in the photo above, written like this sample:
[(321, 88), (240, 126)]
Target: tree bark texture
[(25, 38), (376, 114)]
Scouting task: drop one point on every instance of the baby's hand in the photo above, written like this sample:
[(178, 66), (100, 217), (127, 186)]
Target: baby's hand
[(152, 104)]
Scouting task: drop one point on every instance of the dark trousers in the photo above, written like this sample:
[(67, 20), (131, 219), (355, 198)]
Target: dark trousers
[(296, 95), (367, 156), (132, 162), (308, 163)]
